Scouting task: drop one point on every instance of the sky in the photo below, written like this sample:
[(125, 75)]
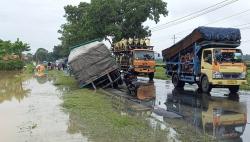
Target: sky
[(37, 21)]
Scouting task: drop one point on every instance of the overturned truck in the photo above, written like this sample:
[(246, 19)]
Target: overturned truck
[(93, 65)]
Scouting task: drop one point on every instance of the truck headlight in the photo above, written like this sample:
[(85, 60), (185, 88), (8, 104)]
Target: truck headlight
[(217, 75), (243, 75)]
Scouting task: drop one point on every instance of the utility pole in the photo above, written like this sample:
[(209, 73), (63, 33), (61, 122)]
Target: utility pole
[(174, 38)]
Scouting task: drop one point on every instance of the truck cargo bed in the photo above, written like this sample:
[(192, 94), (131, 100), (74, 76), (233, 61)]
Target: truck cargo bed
[(209, 34), (93, 64)]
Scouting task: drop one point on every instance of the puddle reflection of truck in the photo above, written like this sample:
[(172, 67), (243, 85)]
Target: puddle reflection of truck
[(137, 54), (216, 116), (208, 57)]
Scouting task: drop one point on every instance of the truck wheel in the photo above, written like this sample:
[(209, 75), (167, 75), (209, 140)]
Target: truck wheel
[(151, 76), (234, 89), (205, 86), (177, 83)]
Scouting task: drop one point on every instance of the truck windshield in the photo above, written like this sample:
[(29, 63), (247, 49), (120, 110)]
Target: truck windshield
[(144, 55), (228, 55)]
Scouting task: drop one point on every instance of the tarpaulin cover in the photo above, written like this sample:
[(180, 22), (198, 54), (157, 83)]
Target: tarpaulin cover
[(91, 61), (219, 34)]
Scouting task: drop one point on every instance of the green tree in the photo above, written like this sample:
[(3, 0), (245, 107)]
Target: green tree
[(103, 18), (29, 57), (60, 52), (5, 48), (18, 47), (51, 57), (41, 55), (8, 48)]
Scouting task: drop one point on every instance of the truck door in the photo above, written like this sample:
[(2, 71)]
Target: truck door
[(206, 63)]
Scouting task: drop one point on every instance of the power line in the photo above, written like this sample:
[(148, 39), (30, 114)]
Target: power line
[(245, 41), (194, 15), (245, 28), (219, 20), (191, 13), (234, 26)]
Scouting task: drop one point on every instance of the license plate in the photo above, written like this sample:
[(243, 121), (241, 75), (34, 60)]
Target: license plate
[(231, 82)]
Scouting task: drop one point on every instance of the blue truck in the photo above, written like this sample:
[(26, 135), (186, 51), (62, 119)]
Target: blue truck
[(208, 57)]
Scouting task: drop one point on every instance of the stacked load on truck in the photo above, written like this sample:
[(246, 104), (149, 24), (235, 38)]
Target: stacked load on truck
[(137, 54), (93, 65), (208, 57), (228, 36), (130, 44)]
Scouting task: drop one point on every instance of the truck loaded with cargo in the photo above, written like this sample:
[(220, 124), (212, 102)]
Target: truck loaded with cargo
[(208, 57), (136, 54), (93, 65)]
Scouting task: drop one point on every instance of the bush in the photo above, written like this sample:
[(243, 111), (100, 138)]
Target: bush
[(29, 68), (11, 65)]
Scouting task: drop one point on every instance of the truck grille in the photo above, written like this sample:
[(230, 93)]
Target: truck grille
[(231, 75)]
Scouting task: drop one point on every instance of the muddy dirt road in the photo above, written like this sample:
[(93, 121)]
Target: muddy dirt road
[(30, 111)]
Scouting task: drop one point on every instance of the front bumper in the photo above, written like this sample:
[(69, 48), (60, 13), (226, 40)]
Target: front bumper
[(144, 70), (228, 82)]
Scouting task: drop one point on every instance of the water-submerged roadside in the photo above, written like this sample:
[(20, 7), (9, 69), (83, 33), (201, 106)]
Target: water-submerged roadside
[(115, 118), (99, 121), (53, 108), (30, 110)]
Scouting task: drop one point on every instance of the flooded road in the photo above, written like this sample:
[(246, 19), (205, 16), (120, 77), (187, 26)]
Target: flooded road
[(221, 115), (30, 111)]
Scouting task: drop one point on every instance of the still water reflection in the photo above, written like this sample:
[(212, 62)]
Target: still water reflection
[(11, 87), (216, 116), (30, 111)]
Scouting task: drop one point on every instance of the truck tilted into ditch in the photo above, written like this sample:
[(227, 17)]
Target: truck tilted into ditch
[(209, 57), (93, 65)]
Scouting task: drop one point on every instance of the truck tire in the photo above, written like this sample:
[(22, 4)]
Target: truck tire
[(234, 89), (151, 76), (205, 85), (177, 83)]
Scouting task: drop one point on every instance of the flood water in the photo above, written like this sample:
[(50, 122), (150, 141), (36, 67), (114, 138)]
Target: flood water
[(221, 115), (30, 111)]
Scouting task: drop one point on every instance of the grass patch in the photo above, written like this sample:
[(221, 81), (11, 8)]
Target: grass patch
[(60, 78), (92, 114), (160, 73), (246, 87), (29, 68)]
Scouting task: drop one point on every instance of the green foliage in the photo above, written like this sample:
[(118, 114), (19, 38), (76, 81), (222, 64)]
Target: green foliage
[(100, 19), (11, 65), (41, 55), (29, 58), (160, 73), (29, 68), (16, 48), (59, 52), (246, 87), (62, 79)]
